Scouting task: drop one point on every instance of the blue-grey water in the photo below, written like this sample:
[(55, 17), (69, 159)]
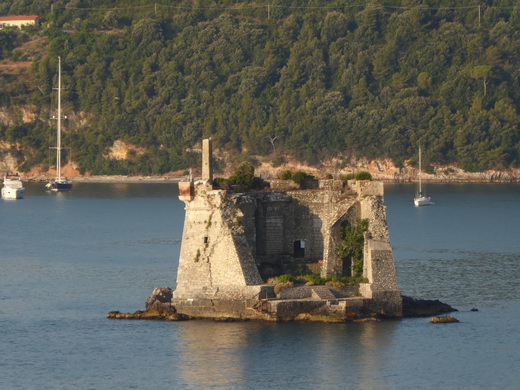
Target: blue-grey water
[(68, 259)]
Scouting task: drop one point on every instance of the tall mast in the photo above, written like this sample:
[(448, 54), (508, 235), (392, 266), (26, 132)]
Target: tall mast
[(420, 186), (58, 145)]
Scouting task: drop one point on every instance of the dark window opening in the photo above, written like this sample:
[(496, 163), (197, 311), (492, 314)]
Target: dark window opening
[(299, 248)]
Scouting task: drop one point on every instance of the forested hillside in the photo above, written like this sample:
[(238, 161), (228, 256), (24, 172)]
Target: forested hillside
[(308, 79)]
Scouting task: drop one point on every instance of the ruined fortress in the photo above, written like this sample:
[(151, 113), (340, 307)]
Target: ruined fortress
[(231, 241)]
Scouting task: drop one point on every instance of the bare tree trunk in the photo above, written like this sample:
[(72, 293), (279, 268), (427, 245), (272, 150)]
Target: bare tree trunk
[(271, 139)]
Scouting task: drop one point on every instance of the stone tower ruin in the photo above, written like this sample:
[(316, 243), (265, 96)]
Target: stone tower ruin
[(233, 241)]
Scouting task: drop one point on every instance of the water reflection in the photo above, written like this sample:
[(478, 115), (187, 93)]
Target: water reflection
[(211, 353), (305, 355)]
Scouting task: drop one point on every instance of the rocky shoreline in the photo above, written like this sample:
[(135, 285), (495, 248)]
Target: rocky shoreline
[(159, 307), (489, 177)]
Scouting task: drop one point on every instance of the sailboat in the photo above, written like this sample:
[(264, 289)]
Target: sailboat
[(421, 199), (59, 184)]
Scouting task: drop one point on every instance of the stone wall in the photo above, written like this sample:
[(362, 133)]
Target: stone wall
[(214, 252), (231, 239)]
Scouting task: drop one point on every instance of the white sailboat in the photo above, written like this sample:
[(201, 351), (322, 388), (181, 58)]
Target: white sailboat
[(421, 199), (13, 187), (59, 184)]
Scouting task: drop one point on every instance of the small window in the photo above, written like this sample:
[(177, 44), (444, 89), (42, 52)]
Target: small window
[(206, 240), (299, 248)]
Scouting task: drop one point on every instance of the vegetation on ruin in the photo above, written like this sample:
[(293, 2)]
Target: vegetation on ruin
[(243, 179), (285, 278), (352, 242), (299, 177), (361, 175), (334, 281), (332, 80)]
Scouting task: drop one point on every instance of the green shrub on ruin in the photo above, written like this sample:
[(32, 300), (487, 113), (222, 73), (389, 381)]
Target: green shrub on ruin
[(363, 175), (299, 177), (352, 243), (243, 179), (285, 278), (346, 178), (314, 279)]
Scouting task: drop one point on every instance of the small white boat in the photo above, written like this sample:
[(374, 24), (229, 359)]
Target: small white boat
[(13, 187), (60, 183), (421, 199)]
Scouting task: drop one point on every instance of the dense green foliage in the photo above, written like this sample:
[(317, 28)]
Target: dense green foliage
[(351, 248), (285, 278), (338, 281), (285, 175), (299, 177), (361, 175), (365, 80), (243, 179)]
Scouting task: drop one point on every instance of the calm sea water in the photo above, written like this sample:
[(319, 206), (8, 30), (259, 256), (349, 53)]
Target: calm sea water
[(68, 259)]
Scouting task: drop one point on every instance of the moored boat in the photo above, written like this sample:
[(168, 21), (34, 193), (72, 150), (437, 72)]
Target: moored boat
[(59, 184), (421, 199), (13, 187)]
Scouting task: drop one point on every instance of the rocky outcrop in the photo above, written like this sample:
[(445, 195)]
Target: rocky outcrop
[(385, 170), (8, 161), (444, 320), (291, 308), (158, 307), (148, 315), (424, 307), (160, 299)]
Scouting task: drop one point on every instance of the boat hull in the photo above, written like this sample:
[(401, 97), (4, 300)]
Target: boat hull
[(12, 193), (422, 201), (59, 186), (13, 187)]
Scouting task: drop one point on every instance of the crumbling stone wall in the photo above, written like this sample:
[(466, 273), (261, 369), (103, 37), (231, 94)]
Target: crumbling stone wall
[(214, 252), (266, 228), (230, 238)]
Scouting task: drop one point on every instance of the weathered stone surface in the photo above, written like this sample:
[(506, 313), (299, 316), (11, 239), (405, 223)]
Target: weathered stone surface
[(160, 299), (232, 239), (148, 315), (444, 320), (158, 307), (424, 307)]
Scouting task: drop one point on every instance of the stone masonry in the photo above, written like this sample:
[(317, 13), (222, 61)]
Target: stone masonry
[(232, 241)]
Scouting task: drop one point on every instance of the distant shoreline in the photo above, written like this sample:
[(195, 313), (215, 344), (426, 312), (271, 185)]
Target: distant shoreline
[(111, 179), (176, 179)]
